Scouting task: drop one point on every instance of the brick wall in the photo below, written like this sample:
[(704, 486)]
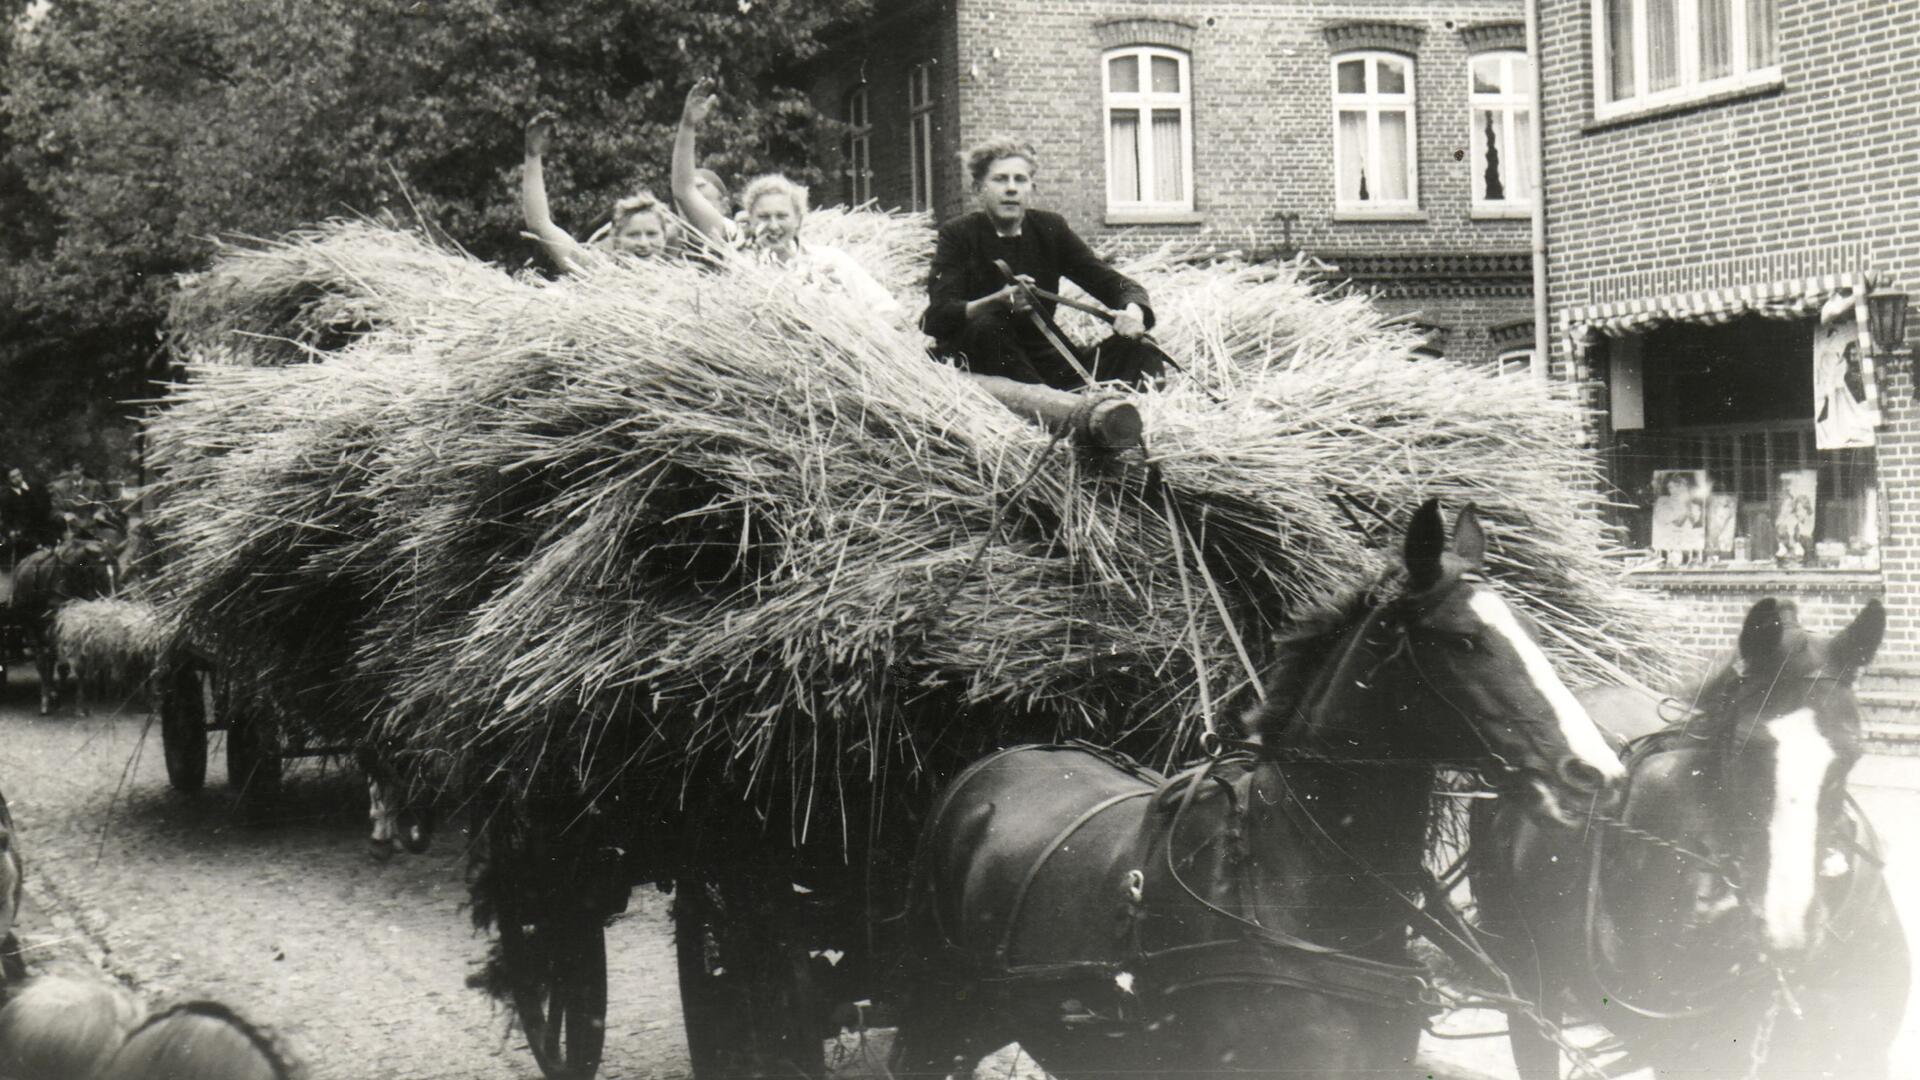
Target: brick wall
[(1828, 160), (1715, 610), (880, 56), (1262, 114)]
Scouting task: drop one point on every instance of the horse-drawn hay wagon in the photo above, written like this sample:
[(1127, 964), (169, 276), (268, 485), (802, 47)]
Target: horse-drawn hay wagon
[(698, 579)]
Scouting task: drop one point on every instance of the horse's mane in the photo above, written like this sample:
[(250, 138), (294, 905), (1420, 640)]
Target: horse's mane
[(1302, 653)]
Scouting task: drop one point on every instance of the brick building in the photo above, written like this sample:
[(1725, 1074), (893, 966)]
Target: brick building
[(1728, 182), (1386, 138)]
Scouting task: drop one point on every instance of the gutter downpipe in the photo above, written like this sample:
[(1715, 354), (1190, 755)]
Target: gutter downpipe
[(1542, 334)]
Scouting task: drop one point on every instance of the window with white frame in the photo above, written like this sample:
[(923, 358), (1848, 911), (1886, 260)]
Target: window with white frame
[(1373, 132), (920, 133), (1149, 129), (1514, 362), (859, 147), (1500, 100), (1649, 53)]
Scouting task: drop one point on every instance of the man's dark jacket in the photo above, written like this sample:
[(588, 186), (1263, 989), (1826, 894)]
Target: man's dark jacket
[(963, 269)]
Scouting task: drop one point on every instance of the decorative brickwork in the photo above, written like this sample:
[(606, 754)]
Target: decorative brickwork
[(1393, 37), (1145, 30), (1496, 35)]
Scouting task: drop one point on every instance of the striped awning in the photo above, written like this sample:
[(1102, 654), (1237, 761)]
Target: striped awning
[(1712, 307), (1830, 296)]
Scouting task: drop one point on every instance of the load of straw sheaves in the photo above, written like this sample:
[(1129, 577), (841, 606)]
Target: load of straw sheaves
[(656, 521), (115, 639)]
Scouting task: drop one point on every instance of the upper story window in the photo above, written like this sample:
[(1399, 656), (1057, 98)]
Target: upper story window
[(1149, 125), (1373, 133), (1500, 99), (920, 133), (859, 147), (1649, 53)]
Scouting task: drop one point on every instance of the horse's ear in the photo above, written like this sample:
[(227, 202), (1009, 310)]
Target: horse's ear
[(1853, 649), (1469, 539), (1760, 636), (1426, 543)]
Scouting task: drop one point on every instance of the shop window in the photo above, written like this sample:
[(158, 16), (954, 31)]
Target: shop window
[(1650, 53), (859, 148), (1500, 99), (1714, 451), (1149, 129), (920, 133), (1373, 132)]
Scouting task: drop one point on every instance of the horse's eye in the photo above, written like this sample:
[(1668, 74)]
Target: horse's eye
[(1465, 643)]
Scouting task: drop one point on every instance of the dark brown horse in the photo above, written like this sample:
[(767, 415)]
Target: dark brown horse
[(1250, 914), (77, 568), (1738, 924)]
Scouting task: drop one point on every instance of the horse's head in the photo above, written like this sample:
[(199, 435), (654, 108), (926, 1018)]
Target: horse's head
[(1787, 730), (1461, 666)]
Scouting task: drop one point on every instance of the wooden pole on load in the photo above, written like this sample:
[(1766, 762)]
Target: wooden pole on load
[(1108, 421)]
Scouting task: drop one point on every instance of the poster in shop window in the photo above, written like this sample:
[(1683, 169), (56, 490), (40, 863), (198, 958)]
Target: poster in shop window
[(1793, 509), (1842, 414), (1723, 511), (1680, 510)]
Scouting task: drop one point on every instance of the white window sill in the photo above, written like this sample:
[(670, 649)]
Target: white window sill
[(1501, 213), (1764, 81), (1153, 217), (1384, 213)]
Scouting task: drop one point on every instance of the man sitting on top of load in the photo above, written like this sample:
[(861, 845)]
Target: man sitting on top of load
[(981, 322)]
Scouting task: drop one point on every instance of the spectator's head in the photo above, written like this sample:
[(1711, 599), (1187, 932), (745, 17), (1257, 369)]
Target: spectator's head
[(203, 1040), (775, 208), (64, 1027), (708, 183), (641, 226), (1002, 172), (16, 477)]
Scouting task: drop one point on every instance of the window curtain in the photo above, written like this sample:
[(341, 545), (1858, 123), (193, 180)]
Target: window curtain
[(1663, 37), (1716, 38), (1393, 154), (1353, 157), (1168, 183), (1123, 165), (1620, 49), (1760, 29)]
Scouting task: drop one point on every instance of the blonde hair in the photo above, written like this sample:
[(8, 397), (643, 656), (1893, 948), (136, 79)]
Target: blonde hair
[(64, 1027), (204, 1040), (632, 206), (981, 156), (775, 184)]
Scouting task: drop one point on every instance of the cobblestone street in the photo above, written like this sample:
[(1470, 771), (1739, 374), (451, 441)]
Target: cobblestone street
[(361, 965)]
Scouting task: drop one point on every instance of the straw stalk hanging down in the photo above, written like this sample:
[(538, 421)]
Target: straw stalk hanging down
[(659, 522)]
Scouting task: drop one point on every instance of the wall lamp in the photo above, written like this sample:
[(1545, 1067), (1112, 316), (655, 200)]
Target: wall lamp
[(1887, 323)]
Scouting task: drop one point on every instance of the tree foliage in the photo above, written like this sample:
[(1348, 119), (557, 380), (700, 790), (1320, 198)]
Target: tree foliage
[(135, 132)]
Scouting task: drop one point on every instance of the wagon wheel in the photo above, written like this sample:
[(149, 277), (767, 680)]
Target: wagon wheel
[(183, 728)]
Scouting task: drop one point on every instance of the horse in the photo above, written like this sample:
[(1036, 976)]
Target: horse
[(1736, 906), (77, 568), (1250, 913)]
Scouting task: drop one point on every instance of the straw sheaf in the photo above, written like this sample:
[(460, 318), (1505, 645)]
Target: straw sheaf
[(115, 639), (655, 522)]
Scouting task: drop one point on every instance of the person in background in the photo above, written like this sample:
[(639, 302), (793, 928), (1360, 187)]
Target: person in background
[(776, 207), (26, 515), (982, 323), (641, 227)]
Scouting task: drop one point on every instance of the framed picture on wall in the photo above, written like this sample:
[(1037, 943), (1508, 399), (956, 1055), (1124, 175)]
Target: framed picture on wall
[(1793, 513), (1680, 510)]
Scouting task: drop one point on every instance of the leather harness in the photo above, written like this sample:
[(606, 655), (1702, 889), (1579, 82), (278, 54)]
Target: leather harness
[(1252, 954)]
